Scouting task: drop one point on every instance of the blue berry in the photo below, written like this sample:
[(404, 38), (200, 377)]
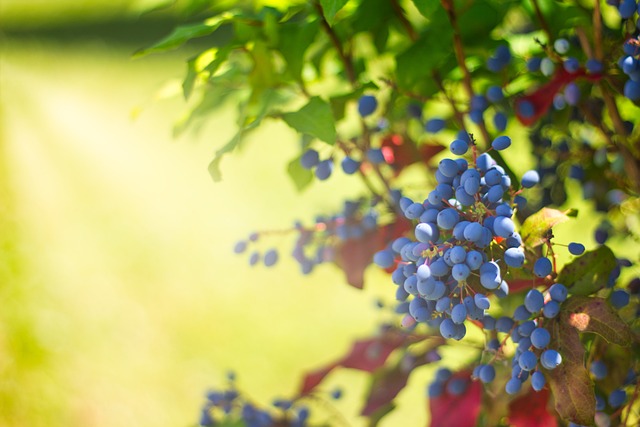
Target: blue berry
[(550, 359), (487, 373), (526, 108), (309, 158), (540, 338), (551, 309), (542, 267), (500, 121), (558, 292), (514, 257), (367, 104), (324, 169), (534, 301), (538, 381), (350, 166), (384, 258), (375, 156), (270, 257), (501, 143), (513, 386), (459, 147), (240, 247), (576, 248), (561, 46), (617, 398), (632, 90), (530, 179), (598, 369), (619, 298), (434, 125), (503, 226), (448, 167)]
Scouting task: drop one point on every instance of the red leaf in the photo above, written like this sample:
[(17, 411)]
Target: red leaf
[(543, 97), (354, 255), (400, 153), (458, 411), (388, 383), (520, 285), (366, 355), (385, 389), (531, 410)]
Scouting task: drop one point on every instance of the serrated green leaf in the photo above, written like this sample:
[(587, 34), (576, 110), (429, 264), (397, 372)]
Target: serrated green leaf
[(570, 382), (314, 119), (535, 229), (588, 273), (300, 176), (184, 33), (330, 8), (597, 316)]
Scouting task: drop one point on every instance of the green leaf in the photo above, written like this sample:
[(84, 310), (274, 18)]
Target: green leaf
[(416, 64), (590, 272), (190, 78), (300, 176), (184, 33), (295, 38), (314, 119), (480, 18), (252, 112), (570, 382), (330, 8), (535, 229), (597, 316), (426, 7)]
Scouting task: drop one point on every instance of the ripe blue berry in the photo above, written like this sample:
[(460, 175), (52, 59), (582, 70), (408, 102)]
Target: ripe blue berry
[(542, 267), (576, 248), (367, 104)]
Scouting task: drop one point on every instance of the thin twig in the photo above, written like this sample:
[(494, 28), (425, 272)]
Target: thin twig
[(404, 21), (543, 22), (597, 30), (344, 56)]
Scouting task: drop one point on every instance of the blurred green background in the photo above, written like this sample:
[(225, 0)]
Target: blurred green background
[(121, 301)]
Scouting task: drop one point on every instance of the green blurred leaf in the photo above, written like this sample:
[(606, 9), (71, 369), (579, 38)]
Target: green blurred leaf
[(590, 272), (416, 64), (426, 7), (184, 33), (536, 227), (597, 316), (295, 38), (480, 18), (570, 382), (330, 8), (300, 176), (190, 78), (314, 119), (258, 105)]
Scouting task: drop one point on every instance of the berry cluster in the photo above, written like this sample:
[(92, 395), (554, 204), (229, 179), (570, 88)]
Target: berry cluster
[(466, 242), (229, 407), (317, 244)]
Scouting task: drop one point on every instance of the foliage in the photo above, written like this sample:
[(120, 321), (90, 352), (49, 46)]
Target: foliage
[(381, 87)]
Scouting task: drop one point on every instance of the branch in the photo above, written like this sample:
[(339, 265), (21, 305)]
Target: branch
[(404, 21), (543, 22), (344, 57)]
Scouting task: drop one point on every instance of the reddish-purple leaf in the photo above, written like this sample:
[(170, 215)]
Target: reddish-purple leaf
[(354, 255), (531, 410), (400, 153), (365, 355), (458, 411)]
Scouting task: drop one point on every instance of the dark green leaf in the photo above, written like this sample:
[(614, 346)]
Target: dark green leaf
[(330, 8), (588, 273), (480, 18), (537, 226), (570, 383), (300, 176), (314, 119), (426, 7), (416, 64), (596, 315), (184, 33)]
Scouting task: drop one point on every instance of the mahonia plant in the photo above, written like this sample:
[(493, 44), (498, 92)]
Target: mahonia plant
[(378, 90)]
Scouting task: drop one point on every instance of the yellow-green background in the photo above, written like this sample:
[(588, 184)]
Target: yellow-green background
[(120, 299)]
